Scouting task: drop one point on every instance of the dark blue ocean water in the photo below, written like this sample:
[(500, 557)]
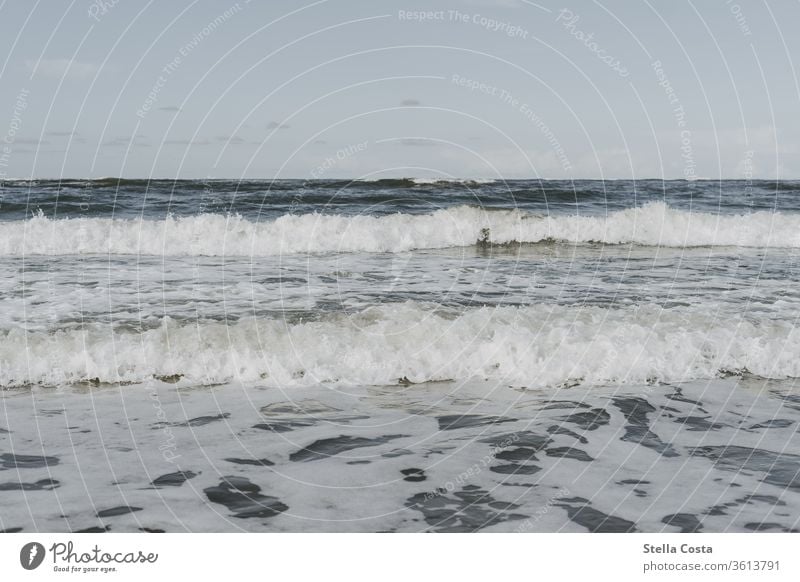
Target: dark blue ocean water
[(266, 199)]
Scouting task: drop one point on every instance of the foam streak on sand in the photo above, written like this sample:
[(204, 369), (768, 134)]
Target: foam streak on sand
[(654, 224), (538, 345)]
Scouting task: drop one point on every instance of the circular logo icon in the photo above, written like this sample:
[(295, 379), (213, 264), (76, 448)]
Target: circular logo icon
[(31, 555)]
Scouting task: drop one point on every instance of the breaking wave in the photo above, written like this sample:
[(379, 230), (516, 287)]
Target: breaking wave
[(654, 224), (533, 346)]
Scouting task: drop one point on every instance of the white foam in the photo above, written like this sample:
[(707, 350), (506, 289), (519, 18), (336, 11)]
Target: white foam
[(425, 181), (539, 345), (215, 235)]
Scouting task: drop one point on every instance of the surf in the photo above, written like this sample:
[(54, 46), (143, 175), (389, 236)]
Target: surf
[(530, 347), (654, 224)]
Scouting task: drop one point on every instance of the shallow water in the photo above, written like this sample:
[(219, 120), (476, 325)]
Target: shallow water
[(706, 456)]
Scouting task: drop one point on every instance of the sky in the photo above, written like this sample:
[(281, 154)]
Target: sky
[(438, 89)]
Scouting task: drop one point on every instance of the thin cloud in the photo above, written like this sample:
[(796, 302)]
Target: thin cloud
[(233, 139), (276, 125), (410, 103), (187, 142), (61, 68), (170, 108), (417, 142), (125, 141), (61, 133), (30, 141)]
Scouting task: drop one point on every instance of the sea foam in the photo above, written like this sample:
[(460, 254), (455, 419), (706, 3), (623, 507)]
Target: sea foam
[(533, 346), (654, 224)]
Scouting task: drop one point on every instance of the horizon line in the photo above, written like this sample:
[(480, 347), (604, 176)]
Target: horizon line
[(353, 179)]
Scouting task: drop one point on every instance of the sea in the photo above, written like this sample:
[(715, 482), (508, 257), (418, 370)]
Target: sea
[(399, 355)]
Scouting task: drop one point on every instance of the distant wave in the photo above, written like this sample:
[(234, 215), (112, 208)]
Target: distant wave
[(245, 184), (654, 224), (533, 346), (469, 182)]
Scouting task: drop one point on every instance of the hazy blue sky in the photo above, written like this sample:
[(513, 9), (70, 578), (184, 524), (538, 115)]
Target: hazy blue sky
[(339, 88)]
